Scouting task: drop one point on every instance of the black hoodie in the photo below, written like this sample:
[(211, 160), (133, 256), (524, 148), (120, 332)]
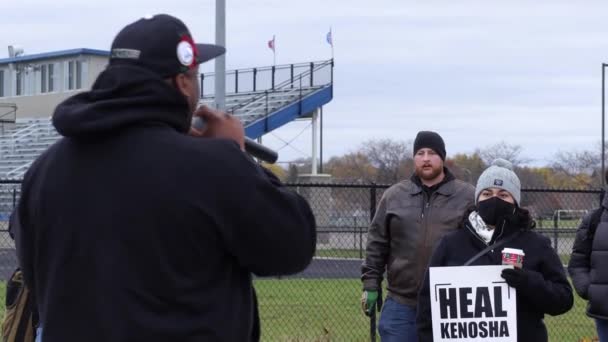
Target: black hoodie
[(128, 229), (547, 290)]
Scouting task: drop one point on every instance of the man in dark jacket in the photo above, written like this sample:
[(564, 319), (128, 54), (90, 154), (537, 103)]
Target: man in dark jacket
[(588, 266), (129, 229), (411, 217)]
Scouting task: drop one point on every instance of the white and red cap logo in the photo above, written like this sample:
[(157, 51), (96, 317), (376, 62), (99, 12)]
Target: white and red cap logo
[(186, 52)]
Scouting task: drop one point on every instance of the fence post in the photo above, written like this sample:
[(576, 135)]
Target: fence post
[(372, 201), (312, 73), (555, 227), (372, 213), (273, 68), (202, 85), (300, 99), (361, 242), (236, 81), (291, 67), (266, 114), (354, 232), (255, 75)]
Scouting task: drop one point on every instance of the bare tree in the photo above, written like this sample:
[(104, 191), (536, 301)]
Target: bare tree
[(392, 159), (351, 167), (503, 150), (466, 167), (574, 162), (580, 166)]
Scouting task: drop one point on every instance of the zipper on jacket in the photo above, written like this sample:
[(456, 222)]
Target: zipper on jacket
[(424, 208), (426, 203)]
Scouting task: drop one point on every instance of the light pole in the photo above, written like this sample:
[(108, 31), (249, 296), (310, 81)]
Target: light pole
[(220, 62)]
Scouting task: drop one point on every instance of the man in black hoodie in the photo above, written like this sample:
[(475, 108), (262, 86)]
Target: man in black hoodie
[(130, 229)]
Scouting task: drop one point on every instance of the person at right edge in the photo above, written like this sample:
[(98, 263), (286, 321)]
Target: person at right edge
[(541, 284), (136, 227), (411, 217), (588, 266)]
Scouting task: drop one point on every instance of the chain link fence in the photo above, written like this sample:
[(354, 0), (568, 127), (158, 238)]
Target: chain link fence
[(9, 194), (322, 302)]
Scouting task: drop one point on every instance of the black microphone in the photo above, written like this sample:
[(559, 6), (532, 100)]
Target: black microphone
[(252, 147)]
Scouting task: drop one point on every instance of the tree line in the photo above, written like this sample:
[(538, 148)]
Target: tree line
[(387, 161)]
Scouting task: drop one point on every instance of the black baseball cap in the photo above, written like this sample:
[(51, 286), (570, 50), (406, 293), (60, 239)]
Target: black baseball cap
[(161, 43)]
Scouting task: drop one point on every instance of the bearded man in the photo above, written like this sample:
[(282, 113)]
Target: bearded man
[(412, 216)]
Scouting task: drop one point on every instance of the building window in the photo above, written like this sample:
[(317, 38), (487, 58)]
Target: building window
[(46, 78), (71, 75), (43, 79), (1, 83), (51, 77), (74, 75), (78, 74)]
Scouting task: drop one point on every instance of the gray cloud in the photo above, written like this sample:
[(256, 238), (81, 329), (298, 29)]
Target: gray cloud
[(476, 71)]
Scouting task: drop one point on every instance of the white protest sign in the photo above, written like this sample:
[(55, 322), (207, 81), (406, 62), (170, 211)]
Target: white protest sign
[(472, 303)]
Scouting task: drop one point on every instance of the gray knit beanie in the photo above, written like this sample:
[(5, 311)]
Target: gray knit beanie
[(499, 175)]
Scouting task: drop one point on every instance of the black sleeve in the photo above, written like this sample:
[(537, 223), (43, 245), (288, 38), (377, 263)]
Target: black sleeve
[(548, 289), (269, 228), (579, 266), (424, 323)]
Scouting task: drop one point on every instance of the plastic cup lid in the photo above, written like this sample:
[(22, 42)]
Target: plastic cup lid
[(513, 251)]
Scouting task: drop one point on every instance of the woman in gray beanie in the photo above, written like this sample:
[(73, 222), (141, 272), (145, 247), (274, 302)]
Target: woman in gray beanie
[(541, 283)]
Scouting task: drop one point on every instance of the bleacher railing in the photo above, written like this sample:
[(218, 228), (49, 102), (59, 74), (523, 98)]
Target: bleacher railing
[(318, 75), (8, 112), (252, 80)]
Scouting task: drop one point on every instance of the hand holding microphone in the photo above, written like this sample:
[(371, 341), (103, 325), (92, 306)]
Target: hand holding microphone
[(211, 123)]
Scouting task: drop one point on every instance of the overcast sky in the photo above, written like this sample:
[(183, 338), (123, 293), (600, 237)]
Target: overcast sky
[(477, 72)]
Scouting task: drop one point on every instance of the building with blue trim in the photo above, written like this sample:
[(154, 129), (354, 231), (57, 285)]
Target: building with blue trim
[(35, 84)]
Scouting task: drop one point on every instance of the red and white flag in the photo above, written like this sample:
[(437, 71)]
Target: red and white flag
[(271, 44)]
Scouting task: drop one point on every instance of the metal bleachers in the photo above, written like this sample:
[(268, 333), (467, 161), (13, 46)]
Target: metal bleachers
[(21, 143), (262, 98)]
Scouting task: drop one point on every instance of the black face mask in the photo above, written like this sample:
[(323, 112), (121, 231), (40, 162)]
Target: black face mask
[(495, 210)]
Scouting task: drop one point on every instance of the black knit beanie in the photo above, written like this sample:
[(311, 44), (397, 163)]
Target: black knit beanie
[(430, 140)]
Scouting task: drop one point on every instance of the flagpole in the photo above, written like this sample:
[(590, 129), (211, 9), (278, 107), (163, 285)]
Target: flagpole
[(274, 51)]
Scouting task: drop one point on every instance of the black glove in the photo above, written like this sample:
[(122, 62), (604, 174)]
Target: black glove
[(515, 277)]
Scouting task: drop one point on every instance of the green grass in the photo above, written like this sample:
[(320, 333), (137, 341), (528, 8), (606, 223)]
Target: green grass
[(302, 310), (319, 310), (311, 310), (550, 224), (341, 253), (573, 325)]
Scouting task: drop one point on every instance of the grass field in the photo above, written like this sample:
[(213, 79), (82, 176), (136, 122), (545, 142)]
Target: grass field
[(341, 253), (564, 223), (319, 310), (329, 310)]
